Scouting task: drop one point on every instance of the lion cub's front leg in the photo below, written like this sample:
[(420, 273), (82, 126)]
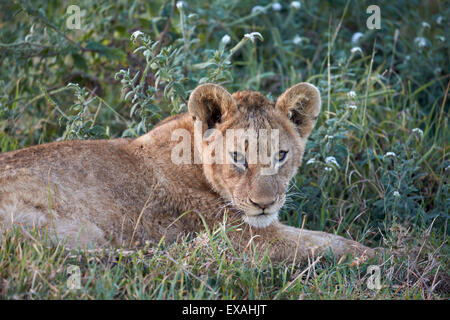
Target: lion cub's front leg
[(289, 243)]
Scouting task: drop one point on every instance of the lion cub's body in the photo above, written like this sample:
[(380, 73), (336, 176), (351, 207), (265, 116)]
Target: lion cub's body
[(96, 190), (124, 191)]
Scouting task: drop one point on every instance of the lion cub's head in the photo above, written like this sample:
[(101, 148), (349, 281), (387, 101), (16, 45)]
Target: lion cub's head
[(252, 147)]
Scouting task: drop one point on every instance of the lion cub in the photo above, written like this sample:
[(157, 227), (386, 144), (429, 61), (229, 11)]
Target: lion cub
[(229, 154)]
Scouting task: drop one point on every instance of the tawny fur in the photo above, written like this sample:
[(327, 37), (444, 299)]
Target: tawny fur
[(124, 191)]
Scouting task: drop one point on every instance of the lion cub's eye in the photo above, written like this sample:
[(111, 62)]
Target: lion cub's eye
[(238, 158), (280, 156)]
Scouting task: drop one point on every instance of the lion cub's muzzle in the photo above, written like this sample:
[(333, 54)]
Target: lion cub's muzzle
[(262, 212), (264, 206)]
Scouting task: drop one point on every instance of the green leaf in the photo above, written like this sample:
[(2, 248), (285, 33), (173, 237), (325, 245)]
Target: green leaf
[(179, 89), (79, 62), (111, 53)]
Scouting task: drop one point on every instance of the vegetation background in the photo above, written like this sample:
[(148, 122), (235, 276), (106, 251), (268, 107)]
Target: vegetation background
[(376, 168)]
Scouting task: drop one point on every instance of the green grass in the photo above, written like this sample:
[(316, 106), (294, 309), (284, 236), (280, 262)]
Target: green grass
[(191, 270), (400, 92)]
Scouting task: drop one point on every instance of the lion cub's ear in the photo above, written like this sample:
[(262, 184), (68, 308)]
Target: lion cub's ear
[(301, 103), (211, 104)]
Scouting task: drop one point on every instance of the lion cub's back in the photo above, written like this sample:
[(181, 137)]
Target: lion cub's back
[(53, 153)]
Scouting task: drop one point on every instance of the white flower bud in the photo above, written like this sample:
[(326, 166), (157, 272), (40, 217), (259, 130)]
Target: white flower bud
[(276, 6), (297, 39), (253, 35), (356, 49), (296, 5), (331, 160), (181, 4), (356, 36), (226, 39), (390, 154), (257, 8), (136, 34), (421, 42), (418, 131)]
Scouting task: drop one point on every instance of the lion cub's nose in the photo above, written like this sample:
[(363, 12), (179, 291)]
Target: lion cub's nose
[(261, 203)]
